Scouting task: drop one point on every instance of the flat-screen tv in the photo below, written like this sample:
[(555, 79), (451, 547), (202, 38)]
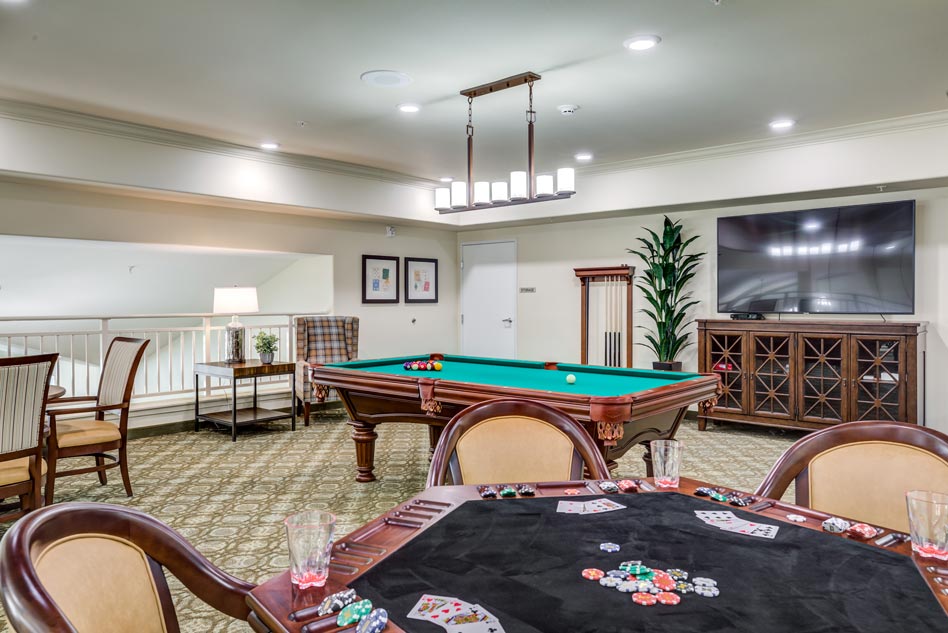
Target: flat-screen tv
[(842, 260)]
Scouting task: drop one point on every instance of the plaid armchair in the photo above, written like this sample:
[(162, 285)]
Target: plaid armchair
[(322, 339)]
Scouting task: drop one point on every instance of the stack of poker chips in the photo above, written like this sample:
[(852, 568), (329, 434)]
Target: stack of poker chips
[(423, 365), (651, 586)]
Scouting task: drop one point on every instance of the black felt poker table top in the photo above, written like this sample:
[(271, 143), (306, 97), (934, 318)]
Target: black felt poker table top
[(522, 561)]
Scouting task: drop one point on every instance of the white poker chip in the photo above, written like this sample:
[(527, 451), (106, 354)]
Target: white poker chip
[(706, 582), (796, 518), (611, 581), (609, 547), (628, 586), (643, 586), (707, 591)]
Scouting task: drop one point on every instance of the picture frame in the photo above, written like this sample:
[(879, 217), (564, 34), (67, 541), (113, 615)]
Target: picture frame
[(380, 279), (421, 280)]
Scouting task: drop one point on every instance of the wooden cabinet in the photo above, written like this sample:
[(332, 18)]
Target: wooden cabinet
[(811, 374)]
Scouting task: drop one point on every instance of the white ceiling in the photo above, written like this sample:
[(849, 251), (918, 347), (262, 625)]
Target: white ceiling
[(246, 70)]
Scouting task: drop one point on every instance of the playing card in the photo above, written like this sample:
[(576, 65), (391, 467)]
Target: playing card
[(714, 516), (571, 507), (756, 529), (597, 506), (437, 608), (477, 620)]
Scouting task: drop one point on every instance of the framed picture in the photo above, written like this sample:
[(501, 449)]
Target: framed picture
[(379, 279), (421, 280)]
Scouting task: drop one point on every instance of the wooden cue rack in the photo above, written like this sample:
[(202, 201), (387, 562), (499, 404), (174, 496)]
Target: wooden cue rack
[(603, 273)]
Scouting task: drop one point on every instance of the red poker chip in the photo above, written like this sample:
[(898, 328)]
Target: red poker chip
[(644, 599), (665, 584), (593, 574), (666, 597), (571, 491), (861, 530)]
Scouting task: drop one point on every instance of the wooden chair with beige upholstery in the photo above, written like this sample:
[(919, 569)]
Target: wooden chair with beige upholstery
[(24, 384), (94, 436), (48, 558), (862, 470), (513, 441), (321, 339)]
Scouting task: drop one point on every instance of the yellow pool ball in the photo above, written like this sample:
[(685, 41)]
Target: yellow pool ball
[(438, 366), (570, 378)]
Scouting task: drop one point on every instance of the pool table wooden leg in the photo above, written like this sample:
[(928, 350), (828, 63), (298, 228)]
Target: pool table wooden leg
[(364, 436)]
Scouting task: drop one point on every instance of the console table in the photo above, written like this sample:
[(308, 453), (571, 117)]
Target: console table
[(238, 371)]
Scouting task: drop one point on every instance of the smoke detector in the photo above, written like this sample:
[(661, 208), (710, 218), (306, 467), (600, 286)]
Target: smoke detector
[(567, 109)]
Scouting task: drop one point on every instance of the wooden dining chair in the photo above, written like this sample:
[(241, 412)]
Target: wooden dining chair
[(24, 384), (862, 470), (96, 567), (513, 440), (94, 436)]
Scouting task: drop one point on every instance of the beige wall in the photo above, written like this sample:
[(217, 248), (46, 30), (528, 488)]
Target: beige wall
[(547, 253), (37, 210)]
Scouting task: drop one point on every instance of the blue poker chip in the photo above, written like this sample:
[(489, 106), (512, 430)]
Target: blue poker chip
[(609, 547), (707, 582), (707, 591), (617, 573), (375, 622)]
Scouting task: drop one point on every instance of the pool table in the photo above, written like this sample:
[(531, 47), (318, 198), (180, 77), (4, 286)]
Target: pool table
[(619, 407)]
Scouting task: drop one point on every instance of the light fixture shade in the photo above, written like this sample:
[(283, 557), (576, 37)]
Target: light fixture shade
[(544, 185), (481, 192), (235, 300), (518, 185), (458, 195), (498, 191), (442, 198), (565, 180)]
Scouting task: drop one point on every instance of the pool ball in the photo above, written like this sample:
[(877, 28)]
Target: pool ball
[(414, 365), (438, 366), (570, 378)]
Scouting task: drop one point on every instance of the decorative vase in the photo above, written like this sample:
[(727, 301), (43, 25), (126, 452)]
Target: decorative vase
[(267, 358), (674, 365)]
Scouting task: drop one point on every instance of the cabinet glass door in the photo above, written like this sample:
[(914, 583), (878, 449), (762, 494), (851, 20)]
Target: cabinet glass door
[(877, 391), (822, 360), (726, 359), (771, 387)]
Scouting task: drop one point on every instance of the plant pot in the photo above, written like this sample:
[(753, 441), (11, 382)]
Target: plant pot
[(267, 358), (674, 365)]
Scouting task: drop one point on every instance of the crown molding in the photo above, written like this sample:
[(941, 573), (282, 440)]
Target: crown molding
[(927, 120), (56, 117)]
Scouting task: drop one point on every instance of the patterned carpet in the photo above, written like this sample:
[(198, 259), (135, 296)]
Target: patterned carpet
[(229, 499)]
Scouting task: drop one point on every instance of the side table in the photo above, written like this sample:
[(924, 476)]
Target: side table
[(238, 371)]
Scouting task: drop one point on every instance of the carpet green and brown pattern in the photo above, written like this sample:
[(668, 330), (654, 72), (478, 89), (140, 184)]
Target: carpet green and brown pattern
[(229, 499)]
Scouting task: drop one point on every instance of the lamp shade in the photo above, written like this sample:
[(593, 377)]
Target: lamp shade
[(442, 198), (544, 185), (565, 180), (518, 185), (458, 194), (498, 191), (235, 300), (481, 193)]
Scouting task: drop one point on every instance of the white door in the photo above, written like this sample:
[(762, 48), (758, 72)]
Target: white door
[(489, 299)]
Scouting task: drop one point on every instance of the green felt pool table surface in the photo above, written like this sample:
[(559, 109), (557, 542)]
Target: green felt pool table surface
[(591, 380)]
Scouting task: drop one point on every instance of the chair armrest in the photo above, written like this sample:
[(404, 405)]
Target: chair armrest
[(70, 400), (52, 413)]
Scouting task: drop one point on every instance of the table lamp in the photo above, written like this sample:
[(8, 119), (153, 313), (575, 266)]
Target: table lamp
[(235, 301)]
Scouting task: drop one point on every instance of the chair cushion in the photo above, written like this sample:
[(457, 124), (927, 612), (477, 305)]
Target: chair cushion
[(17, 471), (102, 583), (85, 432)]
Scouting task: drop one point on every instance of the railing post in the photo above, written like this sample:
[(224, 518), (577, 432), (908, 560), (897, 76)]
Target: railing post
[(207, 353)]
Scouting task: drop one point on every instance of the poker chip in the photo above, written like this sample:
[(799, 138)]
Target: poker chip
[(626, 485), (508, 491), (683, 586), (609, 547), (704, 582), (643, 586), (354, 612), (608, 486), (336, 602), (740, 502), (644, 599), (717, 496), (655, 590), (835, 525), (629, 564), (629, 586), (611, 581), (703, 492), (861, 530), (638, 569), (526, 491), (375, 622), (617, 573), (678, 574), (648, 575), (593, 574), (707, 591), (571, 491), (665, 583), (796, 518), (666, 597)]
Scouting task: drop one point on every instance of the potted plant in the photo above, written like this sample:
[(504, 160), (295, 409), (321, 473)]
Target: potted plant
[(668, 269), (266, 345)]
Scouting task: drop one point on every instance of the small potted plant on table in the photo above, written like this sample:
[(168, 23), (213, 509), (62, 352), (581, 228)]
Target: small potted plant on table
[(668, 269), (266, 345)]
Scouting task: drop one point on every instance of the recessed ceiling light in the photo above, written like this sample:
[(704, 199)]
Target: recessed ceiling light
[(385, 78), (446, 179), (812, 225), (409, 108), (269, 145), (642, 42), (583, 156), (782, 124)]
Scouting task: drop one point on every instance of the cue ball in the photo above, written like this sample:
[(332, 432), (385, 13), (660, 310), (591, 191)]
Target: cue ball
[(570, 378)]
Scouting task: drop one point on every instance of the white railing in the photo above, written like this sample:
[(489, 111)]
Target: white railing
[(177, 342)]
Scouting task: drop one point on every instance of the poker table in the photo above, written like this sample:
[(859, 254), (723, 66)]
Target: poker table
[(522, 560), (619, 407)]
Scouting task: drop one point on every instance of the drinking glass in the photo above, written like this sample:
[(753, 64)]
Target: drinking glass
[(666, 460), (928, 523), (310, 537)]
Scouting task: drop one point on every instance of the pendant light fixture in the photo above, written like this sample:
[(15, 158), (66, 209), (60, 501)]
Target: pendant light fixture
[(525, 186)]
